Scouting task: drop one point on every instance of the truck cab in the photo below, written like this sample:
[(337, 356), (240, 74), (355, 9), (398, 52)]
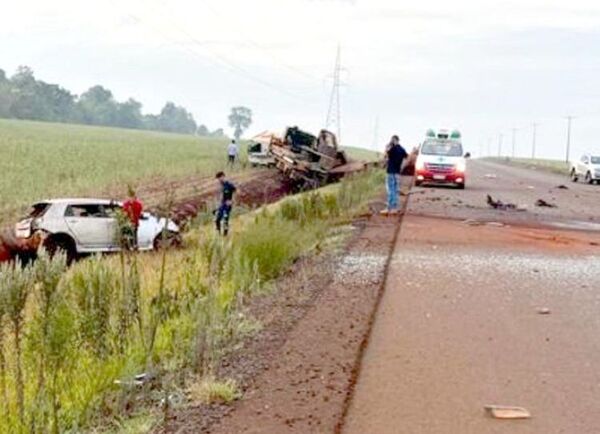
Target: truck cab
[(441, 159)]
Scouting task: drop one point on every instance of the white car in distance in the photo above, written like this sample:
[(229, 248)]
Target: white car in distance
[(586, 168), (83, 226)]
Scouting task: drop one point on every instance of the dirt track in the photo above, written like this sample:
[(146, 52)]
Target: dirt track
[(459, 325)]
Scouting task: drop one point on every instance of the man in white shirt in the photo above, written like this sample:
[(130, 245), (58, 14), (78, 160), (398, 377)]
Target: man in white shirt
[(232, 152)]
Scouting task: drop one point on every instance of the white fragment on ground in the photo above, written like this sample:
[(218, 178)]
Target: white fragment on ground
[(543, 310), (360, 269), (506, 412)]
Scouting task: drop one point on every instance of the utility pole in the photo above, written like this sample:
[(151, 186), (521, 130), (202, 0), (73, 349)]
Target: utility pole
[(533, 141), (376, 134), (334, 111), (514, 139), (500, 145), (569, 119)]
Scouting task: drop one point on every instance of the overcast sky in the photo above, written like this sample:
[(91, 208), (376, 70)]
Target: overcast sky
[(484, 67)]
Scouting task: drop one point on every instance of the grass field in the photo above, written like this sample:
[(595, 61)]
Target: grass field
[(66, 336), (554, 166), (42, 160)]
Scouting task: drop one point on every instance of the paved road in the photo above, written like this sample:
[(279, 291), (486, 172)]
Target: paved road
[(458, 327)]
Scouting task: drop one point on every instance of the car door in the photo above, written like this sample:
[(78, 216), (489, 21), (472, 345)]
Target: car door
[(582, 166), (88, 223)]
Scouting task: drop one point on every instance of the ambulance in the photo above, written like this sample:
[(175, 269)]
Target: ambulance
[(441, 159)]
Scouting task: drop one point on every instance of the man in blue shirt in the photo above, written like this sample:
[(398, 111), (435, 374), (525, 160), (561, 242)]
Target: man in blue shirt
[(394, 156), (224, 210)]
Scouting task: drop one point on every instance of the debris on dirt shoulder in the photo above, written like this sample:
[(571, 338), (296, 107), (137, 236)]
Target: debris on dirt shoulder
[(507, 412), (498, 204), (543, 310), (490, 176), (562, 187), (544, 204)]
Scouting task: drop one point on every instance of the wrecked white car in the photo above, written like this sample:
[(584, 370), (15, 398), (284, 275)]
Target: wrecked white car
[(83, 226)]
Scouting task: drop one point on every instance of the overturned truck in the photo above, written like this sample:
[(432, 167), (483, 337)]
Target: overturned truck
[(311, 161)]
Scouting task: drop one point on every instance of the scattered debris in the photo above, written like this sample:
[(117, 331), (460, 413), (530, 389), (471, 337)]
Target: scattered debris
[(530, 187), (495, 224), (138, 380), (472, 222), (498, 204), (506, 412), (562, 187), (543, 310), (543, 203), (490, 176)]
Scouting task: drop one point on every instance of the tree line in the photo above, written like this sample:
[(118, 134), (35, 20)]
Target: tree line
[(22, 96)]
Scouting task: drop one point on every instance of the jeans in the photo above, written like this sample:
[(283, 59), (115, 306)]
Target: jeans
[(393, 186), (223, 214)]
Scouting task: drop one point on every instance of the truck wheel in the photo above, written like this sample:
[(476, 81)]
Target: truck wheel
[(588, 178), (573, 175)]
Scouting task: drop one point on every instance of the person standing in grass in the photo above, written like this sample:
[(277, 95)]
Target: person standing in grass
[(394, 156), (232, 153), (224, 210), (133, 209)]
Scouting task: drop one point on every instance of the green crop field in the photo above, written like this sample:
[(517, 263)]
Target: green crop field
[(43, 159)]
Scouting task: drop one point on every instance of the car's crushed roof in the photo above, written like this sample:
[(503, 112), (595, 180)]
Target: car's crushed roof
[(80, 201)]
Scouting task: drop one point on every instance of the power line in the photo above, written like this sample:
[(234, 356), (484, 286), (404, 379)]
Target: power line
[(225, 62)]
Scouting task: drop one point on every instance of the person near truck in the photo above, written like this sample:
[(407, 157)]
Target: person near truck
[(133, 209), (224, 211), (394, 156), (232, 152)]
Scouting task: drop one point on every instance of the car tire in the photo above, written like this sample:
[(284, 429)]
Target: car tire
[(171, 239), (588, 178), (61, 244), (418, 183), (574, 177), (460, 186)]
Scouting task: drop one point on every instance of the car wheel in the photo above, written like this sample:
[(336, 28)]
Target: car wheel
[(461, 186), (588, 178), (61, 245), (418, 183), (168, 240), (573, 175)]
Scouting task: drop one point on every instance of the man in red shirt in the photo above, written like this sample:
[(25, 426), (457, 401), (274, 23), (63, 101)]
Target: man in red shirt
[(133, 208)]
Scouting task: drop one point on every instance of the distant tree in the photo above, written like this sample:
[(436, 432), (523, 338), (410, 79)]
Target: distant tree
[(22, 96), (203, 131), (218, 133), (176, 119), (240, 119), (97, 106), (129, 114), (6, 95)]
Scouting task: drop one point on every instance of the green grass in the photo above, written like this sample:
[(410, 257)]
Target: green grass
[(554, 166), (52, 160), (66, 336), (362, 154)]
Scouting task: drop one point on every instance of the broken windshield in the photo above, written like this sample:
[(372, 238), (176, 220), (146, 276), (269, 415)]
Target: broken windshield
[(446, 149)]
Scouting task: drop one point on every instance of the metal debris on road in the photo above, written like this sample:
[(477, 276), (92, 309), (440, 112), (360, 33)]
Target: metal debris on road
[(498, 204), (507, 412), (543, 203), (543, 310), (562, 187)]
